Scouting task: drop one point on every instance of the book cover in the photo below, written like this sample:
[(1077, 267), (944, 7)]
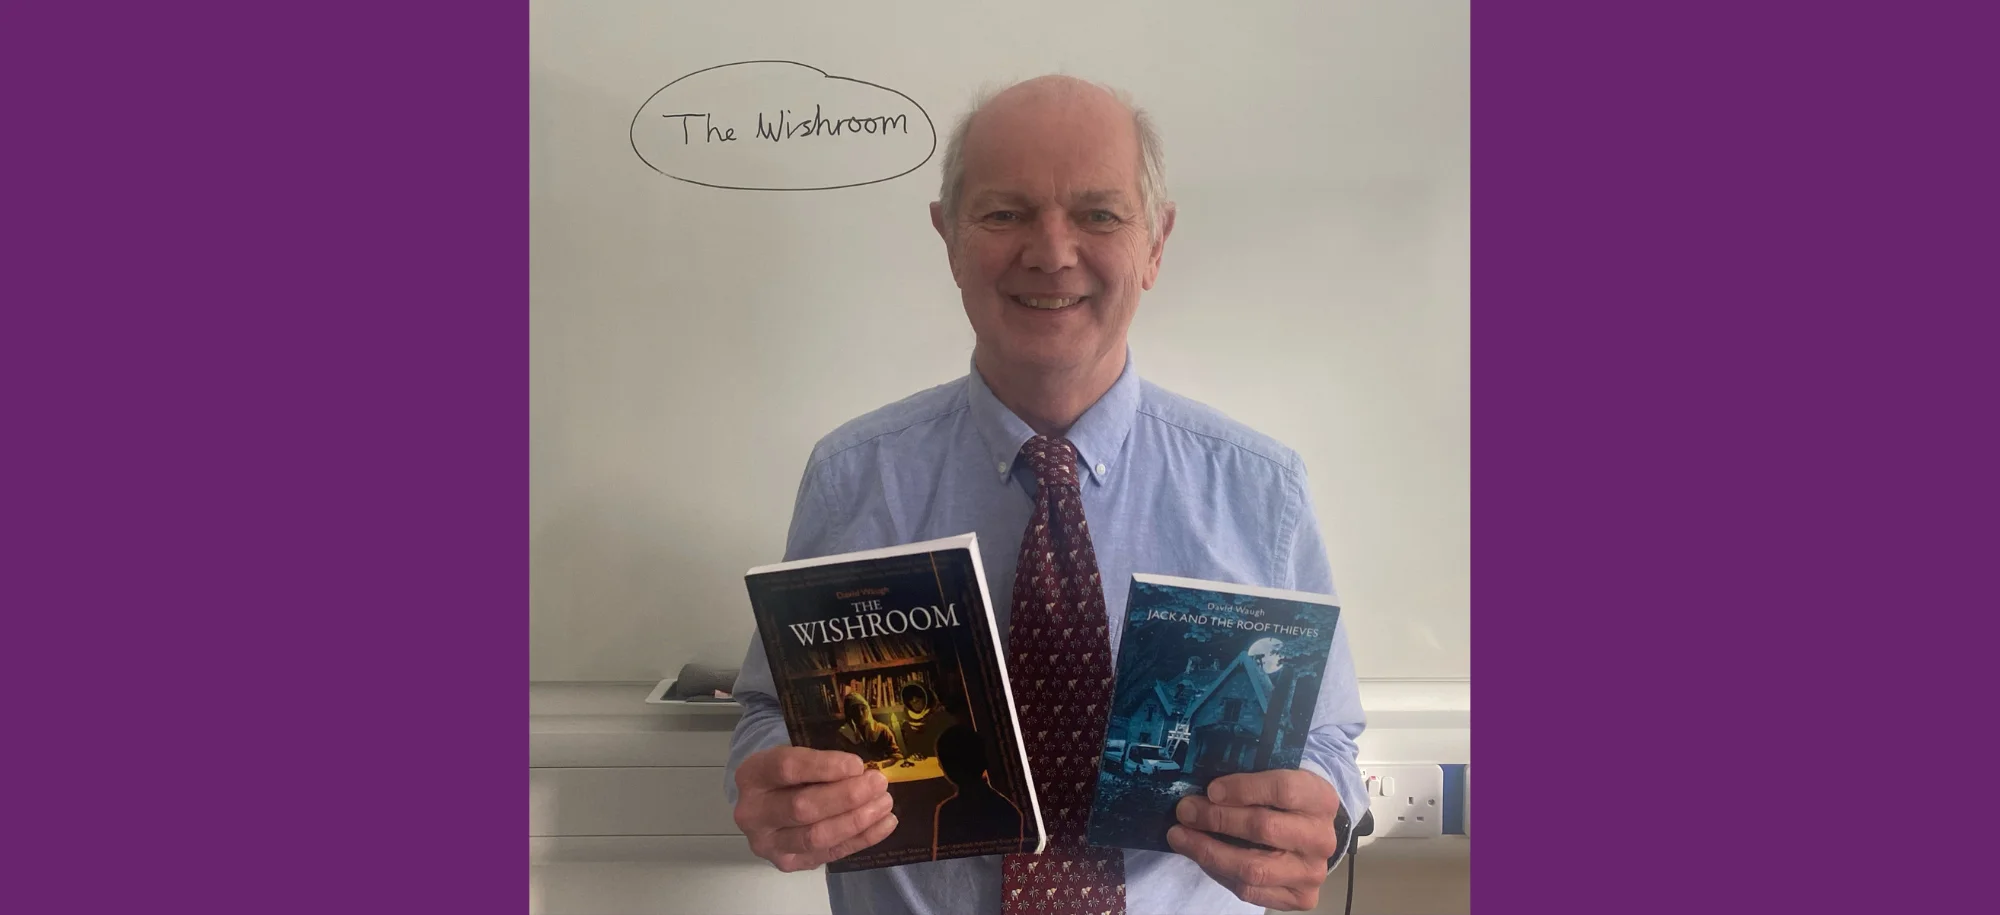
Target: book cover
[(893, 655), (1212, 678)]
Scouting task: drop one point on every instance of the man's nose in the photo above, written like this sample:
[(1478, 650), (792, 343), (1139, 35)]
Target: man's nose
[(1051, 244)]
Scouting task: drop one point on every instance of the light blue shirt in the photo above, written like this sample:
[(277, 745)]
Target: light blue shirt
[(1170, 487)]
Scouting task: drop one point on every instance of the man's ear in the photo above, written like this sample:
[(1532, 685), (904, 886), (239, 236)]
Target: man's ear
[(1159, 246), (944, 232)]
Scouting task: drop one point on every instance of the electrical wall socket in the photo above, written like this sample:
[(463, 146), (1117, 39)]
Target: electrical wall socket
[(1407, 800)]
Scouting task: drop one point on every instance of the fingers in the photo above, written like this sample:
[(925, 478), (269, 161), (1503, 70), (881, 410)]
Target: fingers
[(801, 826), (1247, 869), (783, 767), (1280, 829), (1296, 790), (819, 838), (806, 805), (867, 839), (790, 862), (793, 863)]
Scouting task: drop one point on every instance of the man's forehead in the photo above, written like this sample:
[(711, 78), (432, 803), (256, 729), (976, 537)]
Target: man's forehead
[(1074, 196), (1076, 167), (1053, 138)]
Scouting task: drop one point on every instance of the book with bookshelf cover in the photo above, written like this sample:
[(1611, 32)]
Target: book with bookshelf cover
[(1212, 678), (894, 655)]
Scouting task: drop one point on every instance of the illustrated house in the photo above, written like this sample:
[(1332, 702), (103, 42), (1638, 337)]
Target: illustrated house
[(1222, 720)]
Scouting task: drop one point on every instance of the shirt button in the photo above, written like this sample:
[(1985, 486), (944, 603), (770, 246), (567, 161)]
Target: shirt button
[(1100, 470), (1003, 466)]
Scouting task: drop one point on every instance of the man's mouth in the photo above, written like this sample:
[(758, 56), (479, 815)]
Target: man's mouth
[(1046, 303)]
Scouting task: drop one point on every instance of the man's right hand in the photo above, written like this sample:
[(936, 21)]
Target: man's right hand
[(801, 808)]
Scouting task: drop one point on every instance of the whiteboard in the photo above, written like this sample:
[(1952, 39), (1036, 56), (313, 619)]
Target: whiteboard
[(690, 342)]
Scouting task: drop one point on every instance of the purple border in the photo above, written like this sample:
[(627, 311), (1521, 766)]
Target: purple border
[(266, 331), (1718, 396)]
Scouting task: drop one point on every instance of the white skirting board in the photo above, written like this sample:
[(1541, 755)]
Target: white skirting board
[(651, 801), (713, 875), (694, 886), (609, 746)]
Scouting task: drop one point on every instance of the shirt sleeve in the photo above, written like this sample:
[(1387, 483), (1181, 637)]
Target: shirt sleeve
[(763, 723), (1337, 720)]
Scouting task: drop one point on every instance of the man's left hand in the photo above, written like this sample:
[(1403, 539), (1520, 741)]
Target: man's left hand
[(1290, 811)]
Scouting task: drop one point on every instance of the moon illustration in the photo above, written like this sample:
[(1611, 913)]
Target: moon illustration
[(1265, 652)]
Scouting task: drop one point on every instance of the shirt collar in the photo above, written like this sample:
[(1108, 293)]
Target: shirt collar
[(1098, 434)]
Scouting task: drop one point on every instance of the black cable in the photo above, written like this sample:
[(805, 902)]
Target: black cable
[(1366, 827), (1351, 855)]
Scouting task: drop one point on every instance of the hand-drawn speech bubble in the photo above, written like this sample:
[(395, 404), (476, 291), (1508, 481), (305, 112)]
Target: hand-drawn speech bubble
[(778, 125)]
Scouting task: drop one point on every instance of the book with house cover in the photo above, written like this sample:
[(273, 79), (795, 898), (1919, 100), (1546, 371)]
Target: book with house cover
[(1212, 678), (893, 655)]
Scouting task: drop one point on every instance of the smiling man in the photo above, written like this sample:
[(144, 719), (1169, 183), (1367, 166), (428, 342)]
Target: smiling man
[(1054, 220)]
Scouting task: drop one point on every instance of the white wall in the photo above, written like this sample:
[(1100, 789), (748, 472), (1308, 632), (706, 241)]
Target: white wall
[(688, 345)]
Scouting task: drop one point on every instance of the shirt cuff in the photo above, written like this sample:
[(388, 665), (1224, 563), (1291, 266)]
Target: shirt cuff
[(1350, 813)]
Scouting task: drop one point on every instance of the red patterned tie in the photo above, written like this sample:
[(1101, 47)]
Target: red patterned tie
[(1059, 662)]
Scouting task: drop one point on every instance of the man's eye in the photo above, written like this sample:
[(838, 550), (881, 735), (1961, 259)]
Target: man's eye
[(1003, 216), (1101, 217)]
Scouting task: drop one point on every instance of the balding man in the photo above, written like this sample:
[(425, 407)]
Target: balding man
[(1054, 219)]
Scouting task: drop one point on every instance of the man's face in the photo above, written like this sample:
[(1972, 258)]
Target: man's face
[(1050, 248)]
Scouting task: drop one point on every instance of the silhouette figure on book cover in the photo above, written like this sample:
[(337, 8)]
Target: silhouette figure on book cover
[(976, 812)]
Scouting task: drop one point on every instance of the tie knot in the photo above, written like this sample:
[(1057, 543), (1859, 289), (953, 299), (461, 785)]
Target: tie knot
[(1052, 459)]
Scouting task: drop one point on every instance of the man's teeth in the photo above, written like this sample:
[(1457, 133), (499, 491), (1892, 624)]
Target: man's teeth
[(1050, 304)]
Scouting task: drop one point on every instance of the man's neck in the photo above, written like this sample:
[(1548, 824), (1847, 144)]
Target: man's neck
[(1049, 402)]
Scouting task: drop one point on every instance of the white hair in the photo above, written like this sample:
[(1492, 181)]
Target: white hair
[(1152, 160)]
